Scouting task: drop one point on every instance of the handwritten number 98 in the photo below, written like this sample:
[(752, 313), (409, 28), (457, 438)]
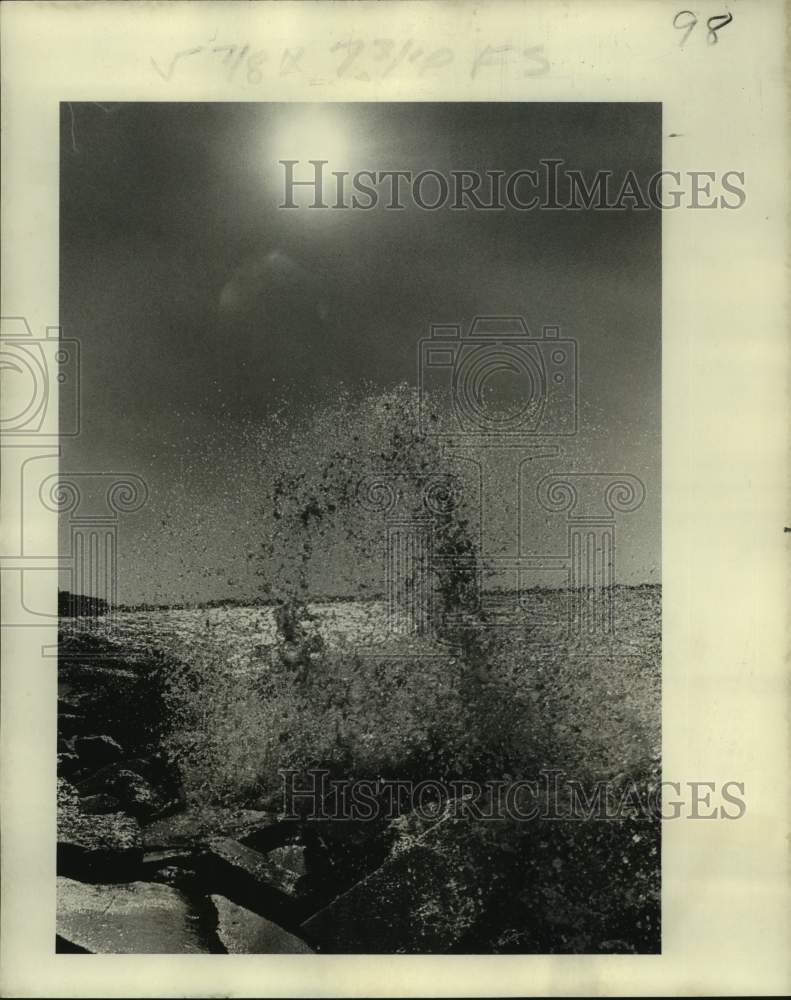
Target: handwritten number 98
[(685, 21)]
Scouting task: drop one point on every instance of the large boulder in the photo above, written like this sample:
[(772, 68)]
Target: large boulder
[(196, 825), (268, 884), (133, 918), (97, 751), (70, 724), (252, 879), (339, 853), (68, 764), (245, 933), (428, 896)]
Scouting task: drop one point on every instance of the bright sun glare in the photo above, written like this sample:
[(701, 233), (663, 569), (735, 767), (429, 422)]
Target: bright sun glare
[(315, 134)]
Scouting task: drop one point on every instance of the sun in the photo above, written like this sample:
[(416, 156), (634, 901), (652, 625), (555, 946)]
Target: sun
[(312, 133), (303, 133)]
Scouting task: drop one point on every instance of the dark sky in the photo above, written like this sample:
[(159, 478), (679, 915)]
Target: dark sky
[(200, 305)]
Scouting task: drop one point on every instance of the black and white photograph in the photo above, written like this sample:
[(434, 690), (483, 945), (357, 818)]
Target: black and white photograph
[(394, 497), (360, 640)]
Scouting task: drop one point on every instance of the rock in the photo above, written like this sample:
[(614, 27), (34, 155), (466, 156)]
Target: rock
[(95, 847), (96, 805), (100, 780), (290, 858), (170, 856), (264, 868), (427, 896), (70, 724), (339, 853), (98, 847), (177, 876), (63, 947), (89, 781), (97, 751), (68, 764), (246, 933), (251, 878), (119, 690), (175, 866), (193, 826), (133, 918), (67, 701), (136, 795), (139, 785)]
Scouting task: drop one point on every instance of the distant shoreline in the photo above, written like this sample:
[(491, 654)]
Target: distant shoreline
[(257, 602)]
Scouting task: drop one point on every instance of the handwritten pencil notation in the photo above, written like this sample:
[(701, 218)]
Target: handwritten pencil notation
[(364, 60)]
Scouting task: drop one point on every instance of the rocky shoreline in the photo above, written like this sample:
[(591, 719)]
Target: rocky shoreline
[(139, 871), (142, 870)]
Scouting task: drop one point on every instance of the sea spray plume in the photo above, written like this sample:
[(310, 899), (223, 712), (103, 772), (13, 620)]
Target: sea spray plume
[(324, 541), (372, 703)]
